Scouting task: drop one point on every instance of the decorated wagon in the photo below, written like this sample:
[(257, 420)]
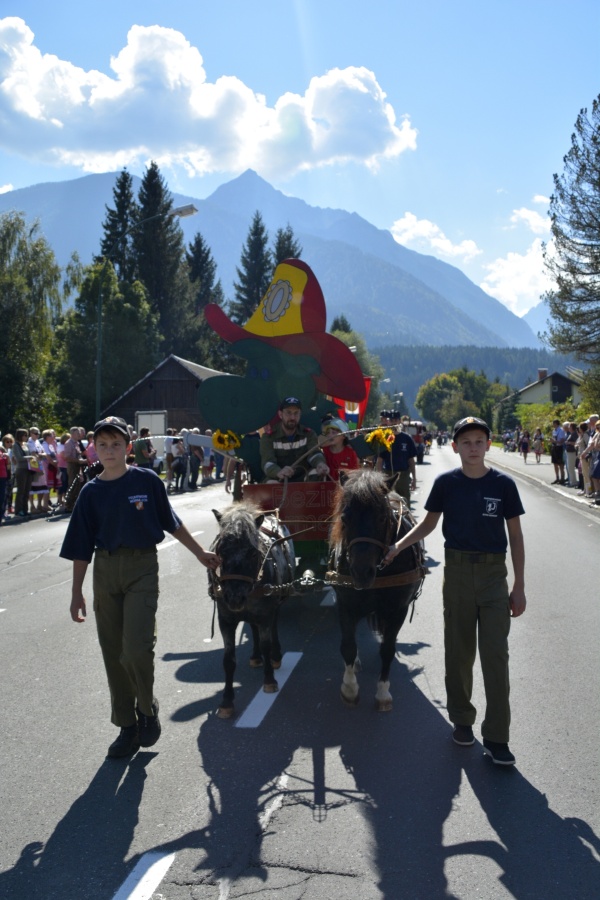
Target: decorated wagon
[(288, 353)]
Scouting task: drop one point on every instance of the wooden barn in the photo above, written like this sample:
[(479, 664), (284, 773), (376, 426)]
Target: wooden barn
[(171, 386)]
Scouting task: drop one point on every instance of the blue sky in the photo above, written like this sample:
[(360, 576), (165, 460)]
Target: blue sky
[(440, 120)]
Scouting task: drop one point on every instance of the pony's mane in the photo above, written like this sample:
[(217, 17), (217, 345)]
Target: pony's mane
[(240, 519), (361, 486)]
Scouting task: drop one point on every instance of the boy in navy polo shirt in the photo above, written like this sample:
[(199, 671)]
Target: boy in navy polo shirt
[(476, 502), (119, 518)]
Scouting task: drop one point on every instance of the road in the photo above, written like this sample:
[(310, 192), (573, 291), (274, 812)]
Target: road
[(316, 800)]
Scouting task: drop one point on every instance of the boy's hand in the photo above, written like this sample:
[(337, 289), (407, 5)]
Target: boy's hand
[(517, 603), (210, 560), (390, 555), (77, 608)]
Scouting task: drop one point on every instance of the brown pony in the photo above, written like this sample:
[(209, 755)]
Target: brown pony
[(366, 520)]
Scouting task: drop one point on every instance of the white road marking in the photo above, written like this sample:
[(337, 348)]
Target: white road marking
[(165, 544), (262, 703), (145, 878), (274, 805)]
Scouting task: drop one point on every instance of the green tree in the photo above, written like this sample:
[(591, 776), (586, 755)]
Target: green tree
[(574, 262), (341, 323), (254, 272), (131, 343), (159, 248), (30, 302), (118, 241), (431, 396), (285, 246), (209, 349)]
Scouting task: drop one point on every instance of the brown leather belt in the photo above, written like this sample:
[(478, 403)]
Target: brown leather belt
[(467, 558)]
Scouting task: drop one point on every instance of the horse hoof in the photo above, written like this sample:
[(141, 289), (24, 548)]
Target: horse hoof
[(350, 701), (256, 662), (225, 712), (276, 663), (384, 705), (270, 688)]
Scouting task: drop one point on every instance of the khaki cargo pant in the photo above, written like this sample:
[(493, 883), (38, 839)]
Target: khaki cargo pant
[(125, 604), (477, 611)]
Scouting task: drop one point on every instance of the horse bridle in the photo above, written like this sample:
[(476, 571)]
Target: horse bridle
[(369, 540)]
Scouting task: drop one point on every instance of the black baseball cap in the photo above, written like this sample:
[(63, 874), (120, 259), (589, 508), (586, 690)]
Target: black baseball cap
[(290, 401), (469, 422), (112, 423)]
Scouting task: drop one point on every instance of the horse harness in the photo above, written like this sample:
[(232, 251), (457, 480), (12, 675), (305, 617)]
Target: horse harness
[(334, 578)]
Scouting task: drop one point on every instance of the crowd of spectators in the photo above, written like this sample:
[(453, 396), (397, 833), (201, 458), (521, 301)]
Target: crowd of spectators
[(574, 449), (41, 473)]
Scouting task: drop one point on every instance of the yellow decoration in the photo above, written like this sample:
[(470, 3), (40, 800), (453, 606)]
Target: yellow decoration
[(279, 311), (383, 436), (225, 441)]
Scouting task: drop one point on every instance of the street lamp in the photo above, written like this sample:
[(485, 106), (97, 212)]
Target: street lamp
[(179, 212)]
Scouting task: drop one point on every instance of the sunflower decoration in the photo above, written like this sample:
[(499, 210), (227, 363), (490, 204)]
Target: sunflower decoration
[(383, 436), (225, 441)]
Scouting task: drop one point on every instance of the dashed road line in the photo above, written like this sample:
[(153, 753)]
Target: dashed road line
[(146, 876), (262, 703)]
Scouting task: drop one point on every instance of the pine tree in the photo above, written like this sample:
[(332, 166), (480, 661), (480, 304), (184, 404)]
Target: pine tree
[(254, 272), (208, 348), (575, 262), (158, 242), (285, 245), (117, 243), (202, 271), (341, 323)]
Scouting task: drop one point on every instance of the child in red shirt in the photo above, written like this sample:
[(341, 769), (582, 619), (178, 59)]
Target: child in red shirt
[(337, 452)]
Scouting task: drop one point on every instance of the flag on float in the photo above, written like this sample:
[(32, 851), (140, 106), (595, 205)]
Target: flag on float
[(354, 413)]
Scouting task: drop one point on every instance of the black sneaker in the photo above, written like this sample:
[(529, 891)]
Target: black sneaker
[(126, 744), (149, 726), (463, 735), (499, 753)]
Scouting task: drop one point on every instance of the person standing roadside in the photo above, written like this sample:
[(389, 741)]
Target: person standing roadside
[(4, 480), (557, 452), (21, 456), (538, 444), (119, 518), (143, 450), (478, 505)]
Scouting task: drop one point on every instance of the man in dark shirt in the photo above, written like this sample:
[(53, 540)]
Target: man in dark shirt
[(119, 518)]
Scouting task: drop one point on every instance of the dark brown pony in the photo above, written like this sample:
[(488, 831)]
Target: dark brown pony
[(254, 553), (366, 520)]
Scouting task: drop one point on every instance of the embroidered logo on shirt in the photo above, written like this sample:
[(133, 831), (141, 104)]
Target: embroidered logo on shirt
[(139, 500), (491, 507)]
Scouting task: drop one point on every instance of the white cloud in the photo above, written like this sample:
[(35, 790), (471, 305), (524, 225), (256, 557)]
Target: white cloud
[(160, 105), (426, 236), (519, 279), (5, 188), (540, 198), (532, 219)]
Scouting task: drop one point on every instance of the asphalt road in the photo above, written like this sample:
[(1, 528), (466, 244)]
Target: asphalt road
[(318, 800)]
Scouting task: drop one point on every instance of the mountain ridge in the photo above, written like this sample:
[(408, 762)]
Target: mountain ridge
[(388, 292)]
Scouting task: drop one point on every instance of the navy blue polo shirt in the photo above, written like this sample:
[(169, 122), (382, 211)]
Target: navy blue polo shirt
[(475, 509), (131, 511)]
